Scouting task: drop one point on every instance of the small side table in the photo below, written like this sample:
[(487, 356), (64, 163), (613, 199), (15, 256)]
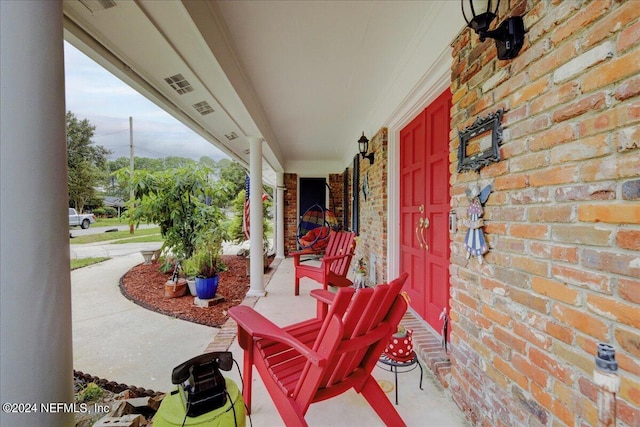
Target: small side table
[(400, 367)]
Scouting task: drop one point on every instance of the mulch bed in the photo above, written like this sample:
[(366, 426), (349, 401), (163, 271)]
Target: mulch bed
[(144, 285)]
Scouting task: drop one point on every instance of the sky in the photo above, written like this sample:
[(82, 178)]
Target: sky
[(95, 94)]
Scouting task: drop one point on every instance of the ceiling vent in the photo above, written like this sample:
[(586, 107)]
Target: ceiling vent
[(98, 5), (179, 84), (231, 136), (203, 107)]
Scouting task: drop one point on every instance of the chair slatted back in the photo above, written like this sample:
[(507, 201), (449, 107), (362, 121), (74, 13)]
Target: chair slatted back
[(352, 337), (340, 242)]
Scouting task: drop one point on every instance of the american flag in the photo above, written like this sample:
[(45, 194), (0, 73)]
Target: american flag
[(245, 214)]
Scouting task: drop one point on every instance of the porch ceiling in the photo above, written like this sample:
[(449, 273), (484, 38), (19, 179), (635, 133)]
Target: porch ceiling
[(307, 76)]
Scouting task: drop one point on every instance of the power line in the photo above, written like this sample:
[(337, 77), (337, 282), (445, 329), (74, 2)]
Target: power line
[(111, 133)]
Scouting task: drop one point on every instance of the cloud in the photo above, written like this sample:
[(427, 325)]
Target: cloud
[(94, 94)]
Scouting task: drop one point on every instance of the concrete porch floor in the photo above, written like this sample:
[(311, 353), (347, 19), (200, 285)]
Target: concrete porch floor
[(427, 407)]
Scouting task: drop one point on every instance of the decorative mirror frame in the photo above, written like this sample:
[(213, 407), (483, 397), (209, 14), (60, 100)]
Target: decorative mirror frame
[(476, 161)]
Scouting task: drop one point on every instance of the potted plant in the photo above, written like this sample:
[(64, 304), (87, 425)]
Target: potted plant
[(205, 263), (176, 286), (189, 269)]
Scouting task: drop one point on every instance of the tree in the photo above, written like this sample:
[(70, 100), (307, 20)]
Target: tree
[(233, 173), (184, 202), (120, 189), (86, 162)]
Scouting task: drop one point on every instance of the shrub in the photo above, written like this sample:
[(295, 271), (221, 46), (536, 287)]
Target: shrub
[(184, 202), (90, 393)]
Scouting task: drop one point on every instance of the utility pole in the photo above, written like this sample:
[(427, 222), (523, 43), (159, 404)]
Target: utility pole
[(131, 195)]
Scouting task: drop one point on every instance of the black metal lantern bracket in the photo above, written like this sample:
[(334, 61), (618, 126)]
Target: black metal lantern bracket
[(509, 36), (363, 147)]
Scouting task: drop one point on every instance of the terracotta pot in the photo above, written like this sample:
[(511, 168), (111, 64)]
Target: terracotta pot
[(175, 289)]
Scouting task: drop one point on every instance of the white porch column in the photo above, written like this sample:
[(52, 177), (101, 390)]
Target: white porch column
[(256, 288), (35, 284), (280, 215)]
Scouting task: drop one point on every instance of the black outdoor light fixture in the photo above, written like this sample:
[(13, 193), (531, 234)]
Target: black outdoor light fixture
[(509, 35), (363, 145)]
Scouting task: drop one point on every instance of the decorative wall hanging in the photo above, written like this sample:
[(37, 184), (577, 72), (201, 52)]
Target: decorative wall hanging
[(365, 186), (480, 143), (474, 241)]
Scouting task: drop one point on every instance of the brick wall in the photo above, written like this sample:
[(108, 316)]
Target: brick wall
[(373, 210), (336, 202), (562, 223), (290, 212), (291, 206)]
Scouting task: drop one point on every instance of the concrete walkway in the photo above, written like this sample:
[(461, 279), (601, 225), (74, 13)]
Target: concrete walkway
[(115, 339)]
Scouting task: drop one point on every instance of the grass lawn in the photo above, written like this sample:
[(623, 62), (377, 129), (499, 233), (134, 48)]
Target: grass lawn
[(83, 262), (105, 222), (141, 235)]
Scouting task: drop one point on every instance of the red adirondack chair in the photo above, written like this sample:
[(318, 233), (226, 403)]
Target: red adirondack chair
[(335, 262), (323, 357)]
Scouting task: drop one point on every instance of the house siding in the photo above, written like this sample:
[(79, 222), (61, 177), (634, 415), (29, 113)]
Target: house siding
[(563, 220)]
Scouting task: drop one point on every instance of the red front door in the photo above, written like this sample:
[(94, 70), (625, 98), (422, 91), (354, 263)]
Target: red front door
[(424, 209)]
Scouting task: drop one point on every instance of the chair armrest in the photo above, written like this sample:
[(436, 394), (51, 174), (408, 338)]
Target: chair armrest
[(306, 252), (323, 296), (296, 255), (258, 326), (329, 259)]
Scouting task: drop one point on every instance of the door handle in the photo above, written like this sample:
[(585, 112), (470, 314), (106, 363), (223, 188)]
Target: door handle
[(418, 228), (425, 225)]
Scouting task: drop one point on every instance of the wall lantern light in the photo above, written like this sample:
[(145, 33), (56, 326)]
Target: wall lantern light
[(509, 35), (363, 146)]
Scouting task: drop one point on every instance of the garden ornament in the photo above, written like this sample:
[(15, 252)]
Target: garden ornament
[(474, 241)]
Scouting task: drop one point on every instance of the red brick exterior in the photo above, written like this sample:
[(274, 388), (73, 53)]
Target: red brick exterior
[(336, 202), (562, 223), (372, 238), (290, 212)]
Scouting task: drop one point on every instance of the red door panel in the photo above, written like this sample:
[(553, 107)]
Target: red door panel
[(424, 209), (412, 170)]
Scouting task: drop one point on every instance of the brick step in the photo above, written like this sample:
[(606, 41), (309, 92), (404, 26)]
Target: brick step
[(428, 346)]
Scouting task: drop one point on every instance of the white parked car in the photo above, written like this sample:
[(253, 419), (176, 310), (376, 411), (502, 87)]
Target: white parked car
[(82, 220)]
